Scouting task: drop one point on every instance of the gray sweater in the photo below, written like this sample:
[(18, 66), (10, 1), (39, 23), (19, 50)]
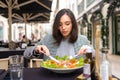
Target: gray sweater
[(48, 41)]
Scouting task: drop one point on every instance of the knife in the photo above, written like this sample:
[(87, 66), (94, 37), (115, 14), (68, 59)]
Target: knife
[(54, 59)]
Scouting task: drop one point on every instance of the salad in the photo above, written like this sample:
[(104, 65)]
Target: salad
[(64, 63)]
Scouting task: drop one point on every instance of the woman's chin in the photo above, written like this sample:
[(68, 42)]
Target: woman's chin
[(65, 36)]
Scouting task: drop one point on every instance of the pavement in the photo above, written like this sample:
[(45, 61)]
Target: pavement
[(115, 64)]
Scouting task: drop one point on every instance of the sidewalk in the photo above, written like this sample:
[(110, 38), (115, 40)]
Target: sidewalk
[(115, 62)]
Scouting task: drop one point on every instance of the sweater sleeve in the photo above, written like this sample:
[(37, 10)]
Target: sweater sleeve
[(30, 53), (82, 40)]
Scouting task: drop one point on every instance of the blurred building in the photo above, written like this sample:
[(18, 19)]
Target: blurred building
[(104, 14)]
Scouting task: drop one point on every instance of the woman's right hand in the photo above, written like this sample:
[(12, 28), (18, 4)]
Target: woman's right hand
[(42, 49)]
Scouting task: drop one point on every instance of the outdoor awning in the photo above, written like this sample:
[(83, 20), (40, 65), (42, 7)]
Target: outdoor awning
[(25, 11), (34, 10)]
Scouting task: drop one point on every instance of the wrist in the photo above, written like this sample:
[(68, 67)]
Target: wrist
[(35, 53)]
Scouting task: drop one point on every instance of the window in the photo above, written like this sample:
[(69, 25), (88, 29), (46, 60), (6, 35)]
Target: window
[(1, 33), (81, 7), (89, 2)]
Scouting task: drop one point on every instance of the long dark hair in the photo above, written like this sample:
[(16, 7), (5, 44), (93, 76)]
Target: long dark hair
[(56, 32)]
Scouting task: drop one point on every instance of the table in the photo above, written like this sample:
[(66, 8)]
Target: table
[(6, 52), (44, 74), (2, 74)]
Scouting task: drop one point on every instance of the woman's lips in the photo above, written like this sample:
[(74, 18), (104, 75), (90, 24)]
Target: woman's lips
[(64, 32)]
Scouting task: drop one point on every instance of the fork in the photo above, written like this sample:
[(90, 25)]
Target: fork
[(74, 56)]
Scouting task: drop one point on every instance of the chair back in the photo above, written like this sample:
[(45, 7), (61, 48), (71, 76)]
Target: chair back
[(35, 62), (4, 63)]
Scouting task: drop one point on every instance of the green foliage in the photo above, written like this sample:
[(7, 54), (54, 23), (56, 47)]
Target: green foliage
[(105, 33)]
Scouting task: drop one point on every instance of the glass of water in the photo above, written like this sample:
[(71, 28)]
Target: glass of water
[(16, 67)]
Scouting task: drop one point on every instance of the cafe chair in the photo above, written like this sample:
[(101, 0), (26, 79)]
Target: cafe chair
[(4, 63), (35, 62)]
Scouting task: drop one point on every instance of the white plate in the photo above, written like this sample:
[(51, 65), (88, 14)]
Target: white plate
[(62, 70)]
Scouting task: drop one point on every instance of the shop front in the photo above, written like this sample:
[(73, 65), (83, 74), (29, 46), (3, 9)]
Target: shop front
[(116, 32)]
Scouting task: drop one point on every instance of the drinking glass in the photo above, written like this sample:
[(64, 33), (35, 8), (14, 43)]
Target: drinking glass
[(16, 67)]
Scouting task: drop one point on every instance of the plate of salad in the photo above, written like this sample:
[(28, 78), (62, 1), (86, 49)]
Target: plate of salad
[(65, 66)]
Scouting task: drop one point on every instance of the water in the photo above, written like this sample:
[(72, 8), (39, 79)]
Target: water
[(16, 72)]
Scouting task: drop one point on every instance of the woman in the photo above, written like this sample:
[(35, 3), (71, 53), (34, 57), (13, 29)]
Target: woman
[(24, 39), (64, 40)]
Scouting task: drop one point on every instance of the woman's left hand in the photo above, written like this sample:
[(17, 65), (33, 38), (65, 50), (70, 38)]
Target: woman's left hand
[(82, 50), (85, 48)]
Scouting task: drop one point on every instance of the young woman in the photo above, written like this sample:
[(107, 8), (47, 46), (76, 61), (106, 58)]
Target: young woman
[(64, 40)]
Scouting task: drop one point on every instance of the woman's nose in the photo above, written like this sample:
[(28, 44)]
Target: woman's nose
[(63, 27)]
